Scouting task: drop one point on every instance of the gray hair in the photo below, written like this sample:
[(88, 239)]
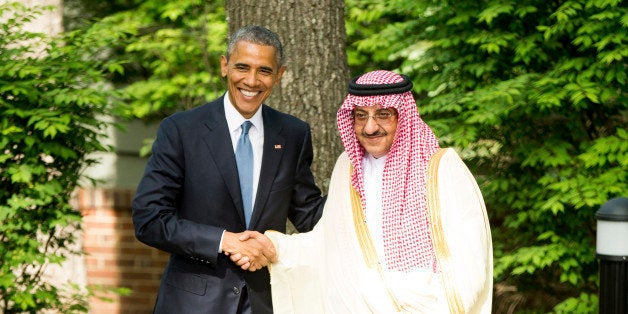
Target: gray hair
[(257, 35)]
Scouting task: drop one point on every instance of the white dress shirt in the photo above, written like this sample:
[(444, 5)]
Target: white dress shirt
[(256, 136)]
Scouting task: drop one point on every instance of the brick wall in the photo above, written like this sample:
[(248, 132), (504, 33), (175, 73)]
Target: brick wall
[(114, 257)]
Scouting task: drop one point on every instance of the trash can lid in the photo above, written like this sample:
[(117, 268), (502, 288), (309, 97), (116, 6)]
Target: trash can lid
[(615, 209)]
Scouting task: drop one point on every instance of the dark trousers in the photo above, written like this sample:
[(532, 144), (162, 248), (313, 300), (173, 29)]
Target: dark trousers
[(244, 306)]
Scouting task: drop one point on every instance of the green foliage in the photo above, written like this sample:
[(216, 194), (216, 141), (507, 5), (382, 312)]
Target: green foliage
[(584, 303), (52, 94), (533, 93), (171, 55)]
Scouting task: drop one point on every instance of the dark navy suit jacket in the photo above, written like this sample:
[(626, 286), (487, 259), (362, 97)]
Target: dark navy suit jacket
[(190, 193)]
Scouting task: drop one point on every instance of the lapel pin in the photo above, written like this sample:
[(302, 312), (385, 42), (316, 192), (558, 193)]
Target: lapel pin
[(277, 146)]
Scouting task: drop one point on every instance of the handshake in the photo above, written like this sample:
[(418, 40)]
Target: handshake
[(250, 250)]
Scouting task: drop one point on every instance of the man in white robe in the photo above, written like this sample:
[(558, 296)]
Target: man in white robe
[(404, 228)]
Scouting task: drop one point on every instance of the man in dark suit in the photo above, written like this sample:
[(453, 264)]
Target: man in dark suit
[(189, 202)]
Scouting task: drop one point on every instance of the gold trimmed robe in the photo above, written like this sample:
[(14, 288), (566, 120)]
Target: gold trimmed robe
[(334, 268)]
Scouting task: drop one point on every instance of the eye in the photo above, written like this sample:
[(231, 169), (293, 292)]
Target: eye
[(241, 68), (360, 115), (384, 114)]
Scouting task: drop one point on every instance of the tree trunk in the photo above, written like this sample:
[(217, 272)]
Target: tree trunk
[(315, 82)]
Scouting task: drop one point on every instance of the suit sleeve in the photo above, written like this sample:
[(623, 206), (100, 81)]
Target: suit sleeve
[(157, 200), (307, 202)]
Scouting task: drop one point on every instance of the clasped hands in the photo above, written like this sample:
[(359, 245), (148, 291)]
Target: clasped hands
[(250, 250)]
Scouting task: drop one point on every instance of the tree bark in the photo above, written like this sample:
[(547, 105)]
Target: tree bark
[(314, 84)]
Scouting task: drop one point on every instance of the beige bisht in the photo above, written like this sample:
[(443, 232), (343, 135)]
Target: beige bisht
[(334, 268)]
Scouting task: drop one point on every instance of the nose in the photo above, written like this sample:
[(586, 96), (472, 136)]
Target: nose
[(251, 78), (371, 126)]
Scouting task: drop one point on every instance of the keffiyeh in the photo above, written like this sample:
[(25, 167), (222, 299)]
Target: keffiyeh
[(406, 230)]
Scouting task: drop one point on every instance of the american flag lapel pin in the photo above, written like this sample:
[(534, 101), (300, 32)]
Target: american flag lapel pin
[(277, 146)]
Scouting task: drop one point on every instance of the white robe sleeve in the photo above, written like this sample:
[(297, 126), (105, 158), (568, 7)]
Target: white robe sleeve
[(297, 276), (461, 234), (293, 276)]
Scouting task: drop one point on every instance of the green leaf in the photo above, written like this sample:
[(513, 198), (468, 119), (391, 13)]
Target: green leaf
[(21, 174)]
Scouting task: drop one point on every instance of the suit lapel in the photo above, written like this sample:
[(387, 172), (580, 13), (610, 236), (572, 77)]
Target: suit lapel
[(274, 144), (218, 140)]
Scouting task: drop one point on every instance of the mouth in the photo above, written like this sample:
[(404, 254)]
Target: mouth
[(376, 135), (248, 93)]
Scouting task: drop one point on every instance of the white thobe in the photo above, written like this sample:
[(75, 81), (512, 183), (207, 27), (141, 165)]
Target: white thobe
[(334, 269)]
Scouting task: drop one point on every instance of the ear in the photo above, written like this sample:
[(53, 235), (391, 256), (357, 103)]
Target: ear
[(223, 66), (280, 73)]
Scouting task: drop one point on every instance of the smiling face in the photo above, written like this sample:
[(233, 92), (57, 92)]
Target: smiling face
[(252, 71), (377, 133)]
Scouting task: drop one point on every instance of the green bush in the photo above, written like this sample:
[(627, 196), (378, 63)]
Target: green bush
[(53, 97), (533, 93)]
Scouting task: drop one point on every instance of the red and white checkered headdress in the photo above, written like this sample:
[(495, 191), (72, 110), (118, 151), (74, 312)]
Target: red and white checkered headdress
[(407, 241)]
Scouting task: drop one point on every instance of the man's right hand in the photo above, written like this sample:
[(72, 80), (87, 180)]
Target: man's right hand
[(250, 250)]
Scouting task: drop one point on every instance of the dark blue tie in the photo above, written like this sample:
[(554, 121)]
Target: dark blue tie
[(244, 159)]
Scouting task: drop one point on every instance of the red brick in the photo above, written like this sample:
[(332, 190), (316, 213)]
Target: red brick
[(114, 257)]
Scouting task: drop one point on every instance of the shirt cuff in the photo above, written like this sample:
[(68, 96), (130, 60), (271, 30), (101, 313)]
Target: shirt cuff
[(220, 246)]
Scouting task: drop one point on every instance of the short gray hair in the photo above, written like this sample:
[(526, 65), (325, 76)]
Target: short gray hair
[(257, 35)]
